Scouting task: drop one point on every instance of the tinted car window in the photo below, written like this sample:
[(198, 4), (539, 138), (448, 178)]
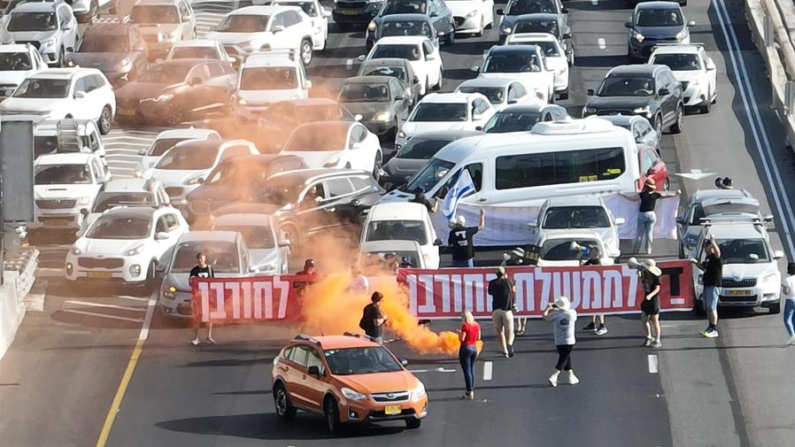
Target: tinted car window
[(553, 168)]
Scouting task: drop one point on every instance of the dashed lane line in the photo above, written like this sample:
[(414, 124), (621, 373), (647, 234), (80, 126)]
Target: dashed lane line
[(488, 370), (653, 365)]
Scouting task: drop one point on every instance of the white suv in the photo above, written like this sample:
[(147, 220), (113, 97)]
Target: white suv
[(167, 139), (163, 23), (446, 111), (263, 28), (17, 62), (50, 27), (750, 272), (424, 58), (404, 222), (65, 187), (692, 67), (266, 78), (524, 63), (555, 55), (68, 136)]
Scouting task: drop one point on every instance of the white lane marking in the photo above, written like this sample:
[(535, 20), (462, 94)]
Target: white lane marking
[(92, 314), (440, 370), (106, 306), (747, 90), (488, 369), (125, 138), (653, 366), (150, 311), (146, 300), (602, 43)]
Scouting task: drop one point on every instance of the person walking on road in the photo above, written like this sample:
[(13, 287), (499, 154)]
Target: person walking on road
[(650, 306), (373, 320), (460, 239), (501, 290), (595, 258), (202, 270), (789, 303), (712, 266), (563, 318), (647, 218), (468, 335)]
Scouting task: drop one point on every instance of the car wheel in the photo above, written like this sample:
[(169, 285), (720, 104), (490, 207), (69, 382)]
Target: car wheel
[(61, 57), (332, 413), (667, 184), (413, 423), (706, 108), (377, 166), (306, 52), (105, 120), (438, 86), (679, 126), (174, 114), (658, 125), (284, 408), (149, 283)]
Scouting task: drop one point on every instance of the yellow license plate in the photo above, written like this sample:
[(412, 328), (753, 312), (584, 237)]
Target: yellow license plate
[(349, 12), (128, 112), (738, 292), (391, 410), (100, 274)]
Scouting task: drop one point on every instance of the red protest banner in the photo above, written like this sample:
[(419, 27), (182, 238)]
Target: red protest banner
[(246, 300), (444, 293)]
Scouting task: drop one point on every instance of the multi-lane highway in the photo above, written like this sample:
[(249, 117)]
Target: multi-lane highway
[(63, 374)]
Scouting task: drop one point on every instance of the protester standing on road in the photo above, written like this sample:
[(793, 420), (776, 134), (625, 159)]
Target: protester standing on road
[(460, 239), (202, 270), (373, 319), (468, 335), (789, 303), (501, 290), (646, 217), (650, 306), (712, 278), (563, 318), (595, 258)]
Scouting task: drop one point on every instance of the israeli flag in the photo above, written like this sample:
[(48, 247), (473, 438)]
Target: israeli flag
[(462, 187)]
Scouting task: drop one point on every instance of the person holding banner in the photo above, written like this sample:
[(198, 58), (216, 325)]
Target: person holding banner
[(647, 218), (468, 335), (594, 257), (563, 318), (650, 306), (202, 270), (460, 239), (502, 290)]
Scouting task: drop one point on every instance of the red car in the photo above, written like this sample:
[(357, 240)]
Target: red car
[(651, 165)]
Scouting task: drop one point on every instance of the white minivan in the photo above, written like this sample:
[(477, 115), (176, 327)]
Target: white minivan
[(404, 222), (559, 158)]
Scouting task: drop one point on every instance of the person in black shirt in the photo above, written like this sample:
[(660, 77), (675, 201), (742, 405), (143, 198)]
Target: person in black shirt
[(713, 278), (502, 290), (419, 197), (202, 270), (373, 319), (460, 239), (646, 219), (594, 257), (650, 306)]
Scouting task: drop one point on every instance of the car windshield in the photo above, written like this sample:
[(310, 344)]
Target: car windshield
[(172, 73), (154, 14), (120, 227), (159, 147), (243, 23), (430, 175), (440, 112), (108, 200), (395, 72), (221, 255), (406, 28), (679, 62), (44, 145), (727, 207), (364, 93), (194, 53), (513, 63), (408, 52), (257, 237), (105, 43), (269, 78), (659, 17), (520, 7), (503, 122), (369, 360), (404, 7), (404, 230), (62, 175), (561, 249), (281, 191), (627, 86), (32, 21), (188, 158), (421, 149), (550, 49), (564, 217), (496, 95), (318, 138), (536, 26), (743, 251), (15, 62), (43, 88)]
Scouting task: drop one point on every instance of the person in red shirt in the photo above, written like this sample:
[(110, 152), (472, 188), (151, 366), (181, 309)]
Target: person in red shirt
[(468, 335), (309, 275)]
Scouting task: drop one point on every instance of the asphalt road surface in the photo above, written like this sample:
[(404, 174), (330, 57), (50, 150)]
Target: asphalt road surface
[(61, 376)]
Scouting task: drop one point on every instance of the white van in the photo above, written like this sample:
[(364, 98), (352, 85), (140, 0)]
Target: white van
[(560, 158)]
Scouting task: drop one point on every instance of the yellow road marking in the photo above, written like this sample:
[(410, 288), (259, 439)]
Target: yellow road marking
[(125, 382)]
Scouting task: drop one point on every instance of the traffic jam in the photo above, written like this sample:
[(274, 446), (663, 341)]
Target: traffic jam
[(364, 210)]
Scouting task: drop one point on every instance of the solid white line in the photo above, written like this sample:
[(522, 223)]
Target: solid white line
[(107, 306), (747, 90), (150, 311), (653, 366), (127, 137), (602, 43), (146, 300), (487, 370), (92, 314), (595, 2)]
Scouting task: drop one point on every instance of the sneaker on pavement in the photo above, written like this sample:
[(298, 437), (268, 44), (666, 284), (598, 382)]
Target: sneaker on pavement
[(195, 342), (656, 344), (601, 331), (590, 327), (647, 342), (210, 340), (573, 380), (553, 380), (710, 333), (791, 341), (510, 350), (471, 395)]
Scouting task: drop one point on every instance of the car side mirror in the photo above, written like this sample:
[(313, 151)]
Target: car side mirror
[(278, 29), (533, 223), (161, 236), (440, 34), (434, 14), (564, 10), (142, 152), (361, 58), (160, 268), (567, 35), (627, 24), (326, 13), (404, 362), (415, 80), (691, 23), (768, 218), (479, 128), (308, 84), (195, 81), (778, 254), (500, 12), (67, 28), (313, 370), (710, 65), (430, 57), (438, 243), (589, 92), (358, 117), (84, 212), (80, 95), (663, 91), (475, 68), (620, 221)]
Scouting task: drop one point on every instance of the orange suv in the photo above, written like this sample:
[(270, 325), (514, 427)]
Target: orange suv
[(346, 378)]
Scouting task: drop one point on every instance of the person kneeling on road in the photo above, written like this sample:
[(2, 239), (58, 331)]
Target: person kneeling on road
[(563, 318)]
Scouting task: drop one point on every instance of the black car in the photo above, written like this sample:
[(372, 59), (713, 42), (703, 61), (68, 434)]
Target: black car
[(653, 23), (403, 25), (412, 157), (237, 179), (311, 201), (276, 124), (381, 101), (118, 50), (522, 117), (436, 10), (650, 91), (396, 68)]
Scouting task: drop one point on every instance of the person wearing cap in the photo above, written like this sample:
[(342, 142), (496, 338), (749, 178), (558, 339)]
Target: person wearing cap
[(712, 266), (647, 218), (460, 239), (724, 183), (202, 270), (405, 262), (650, 306), (501, 290), (308, 275), (594, 257), (788, 288), (373, 319), (563, 319)]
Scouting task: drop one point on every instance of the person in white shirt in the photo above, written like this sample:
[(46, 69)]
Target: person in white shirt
[(789, 302), (563, 318)]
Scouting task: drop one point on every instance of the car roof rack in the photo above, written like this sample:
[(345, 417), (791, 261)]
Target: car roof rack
[(68, 134), (362, 336), (307, 338), (676, 44), (733, 219)]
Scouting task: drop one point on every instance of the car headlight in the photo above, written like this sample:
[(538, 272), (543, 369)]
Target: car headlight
[(638, 36), (164, 97), (383, 116), (401, 134), (371, 26), (126, 62), (681, 35), (170, 292), (418, 392), (194, 180), (134, 251), (588, 111), (76, 251), (506, 30), (642, 110), (352, 395), (84, 201), (47, 43), (472, 14), (771, 278)]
